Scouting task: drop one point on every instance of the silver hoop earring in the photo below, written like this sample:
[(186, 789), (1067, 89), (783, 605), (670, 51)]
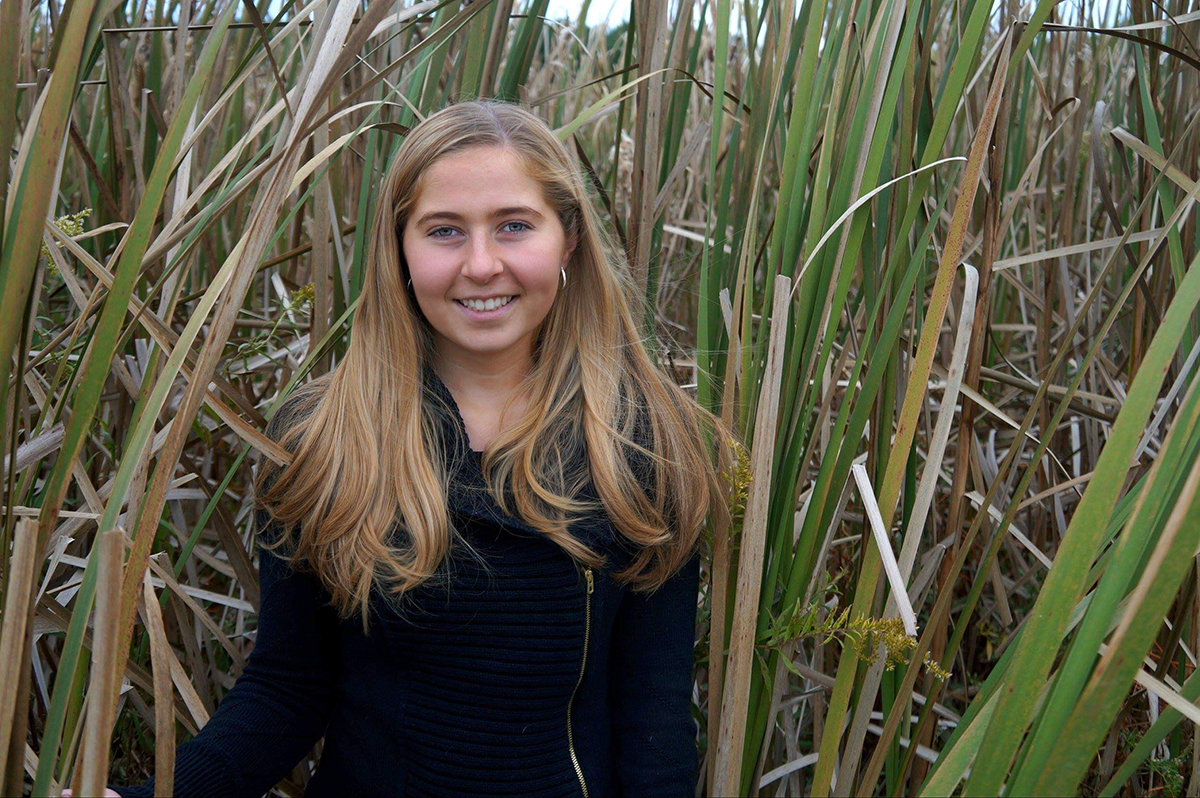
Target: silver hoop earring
[(409, 283), (563, 269)]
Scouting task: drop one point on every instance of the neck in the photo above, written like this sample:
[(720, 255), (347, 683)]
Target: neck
[(483, 379)]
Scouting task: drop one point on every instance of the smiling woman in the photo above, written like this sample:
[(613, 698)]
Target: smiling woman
[(479, 571), (487, 257)]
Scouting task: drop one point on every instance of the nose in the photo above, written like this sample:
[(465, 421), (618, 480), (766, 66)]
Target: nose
[(482, 262)]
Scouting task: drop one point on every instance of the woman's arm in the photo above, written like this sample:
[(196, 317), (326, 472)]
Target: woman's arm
[(651, 683), (280, 705)]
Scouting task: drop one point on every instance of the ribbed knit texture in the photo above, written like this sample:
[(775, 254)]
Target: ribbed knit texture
[(462, 687), (491, 660)]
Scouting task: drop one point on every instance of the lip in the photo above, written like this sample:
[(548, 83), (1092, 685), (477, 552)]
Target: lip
[(482, 315)]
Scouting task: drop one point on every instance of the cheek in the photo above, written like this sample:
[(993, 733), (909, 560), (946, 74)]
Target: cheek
[(539, 282), (416, 252), (428, 266), (542, 261)]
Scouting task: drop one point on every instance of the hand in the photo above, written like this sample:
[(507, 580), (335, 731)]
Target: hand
[(107, 794)]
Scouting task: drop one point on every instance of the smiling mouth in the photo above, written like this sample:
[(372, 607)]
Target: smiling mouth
[(487, 306)]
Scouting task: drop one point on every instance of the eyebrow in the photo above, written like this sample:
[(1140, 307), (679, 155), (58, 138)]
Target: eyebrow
[(512, 209)]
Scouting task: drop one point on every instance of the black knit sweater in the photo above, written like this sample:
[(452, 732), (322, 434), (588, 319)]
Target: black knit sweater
[(527, 676)]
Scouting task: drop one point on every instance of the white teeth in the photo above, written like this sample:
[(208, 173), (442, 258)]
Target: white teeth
[(489, 304)]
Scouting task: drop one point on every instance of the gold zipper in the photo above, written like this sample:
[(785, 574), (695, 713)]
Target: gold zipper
[(583, 664)]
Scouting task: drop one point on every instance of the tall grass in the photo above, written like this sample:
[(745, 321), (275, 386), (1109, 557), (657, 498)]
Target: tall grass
[(933, 260)]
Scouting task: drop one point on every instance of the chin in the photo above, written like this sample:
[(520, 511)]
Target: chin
[(486, 345)]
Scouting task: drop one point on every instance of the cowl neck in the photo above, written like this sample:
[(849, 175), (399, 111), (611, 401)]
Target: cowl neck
[(468, 490), (454, 428)]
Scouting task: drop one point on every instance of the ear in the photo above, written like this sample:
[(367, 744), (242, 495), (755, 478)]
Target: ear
[(572, 242)]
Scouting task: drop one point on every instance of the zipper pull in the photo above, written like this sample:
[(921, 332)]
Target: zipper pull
[(588, 573)]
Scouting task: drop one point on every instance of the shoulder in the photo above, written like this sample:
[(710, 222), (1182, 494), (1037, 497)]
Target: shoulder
[(295, 407), (290, 412), (641, 433)]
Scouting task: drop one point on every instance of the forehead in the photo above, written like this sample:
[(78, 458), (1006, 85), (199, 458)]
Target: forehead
[(476, 180)]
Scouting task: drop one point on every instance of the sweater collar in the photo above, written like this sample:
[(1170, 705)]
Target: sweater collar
[(468, 490), (454, 429)]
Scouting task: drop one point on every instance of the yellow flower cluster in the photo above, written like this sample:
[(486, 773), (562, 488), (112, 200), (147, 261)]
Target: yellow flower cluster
[(739, 482), (865, 633), (938, 672), (72, 225), (303, 295)]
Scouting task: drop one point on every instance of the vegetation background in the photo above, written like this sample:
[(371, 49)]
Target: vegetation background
[(935, 260)]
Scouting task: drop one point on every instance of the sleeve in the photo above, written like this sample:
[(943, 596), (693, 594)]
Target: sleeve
[(280, 705), (651, 686)]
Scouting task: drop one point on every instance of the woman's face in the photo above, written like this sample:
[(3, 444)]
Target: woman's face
[(481, 233)]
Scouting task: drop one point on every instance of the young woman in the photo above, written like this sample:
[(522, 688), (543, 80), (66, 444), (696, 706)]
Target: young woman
[(488, 580)]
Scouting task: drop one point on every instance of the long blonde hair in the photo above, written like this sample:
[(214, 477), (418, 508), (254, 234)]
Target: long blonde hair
[(366, 453)]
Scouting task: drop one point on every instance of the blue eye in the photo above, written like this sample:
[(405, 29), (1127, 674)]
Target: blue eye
[(434, 231), (527, 227)]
